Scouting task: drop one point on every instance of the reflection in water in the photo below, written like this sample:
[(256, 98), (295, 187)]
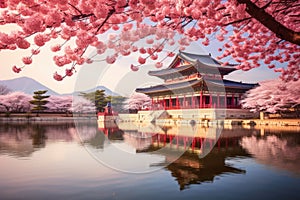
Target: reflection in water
[(22, 140), (189, 169), (38, 136), (192, 169), (275, 149), (280, 151), (16, 140)]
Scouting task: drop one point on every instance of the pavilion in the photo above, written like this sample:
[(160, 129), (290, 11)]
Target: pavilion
[(196, 83)]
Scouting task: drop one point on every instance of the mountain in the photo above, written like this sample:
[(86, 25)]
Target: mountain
[(29, 85), (108, 92), (26, 85)]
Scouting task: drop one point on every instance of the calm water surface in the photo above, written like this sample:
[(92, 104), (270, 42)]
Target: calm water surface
[(83, 161)]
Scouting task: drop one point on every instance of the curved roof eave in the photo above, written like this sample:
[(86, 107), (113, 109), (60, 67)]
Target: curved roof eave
[(169, 87), (167, 71), (199, 61), (218, 66), (236, 85)]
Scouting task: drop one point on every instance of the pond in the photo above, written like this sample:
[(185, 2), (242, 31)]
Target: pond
[(85, 160)]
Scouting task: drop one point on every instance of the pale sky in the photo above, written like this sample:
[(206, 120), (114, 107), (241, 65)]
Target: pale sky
[(117, 77)]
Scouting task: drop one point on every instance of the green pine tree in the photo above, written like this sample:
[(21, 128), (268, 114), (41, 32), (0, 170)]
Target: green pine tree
[(100, 100), (98, 97), (39, 101)]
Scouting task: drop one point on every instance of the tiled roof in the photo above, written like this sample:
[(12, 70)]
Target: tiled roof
[(199, 63), (233, 84), (191, 83), (169, 87)]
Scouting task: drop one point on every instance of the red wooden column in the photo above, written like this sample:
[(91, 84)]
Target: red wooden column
[(183, 102), (166, 101), (152, 103), (218, 100), (210, 100), (177, 102), (193, 101), (160, 104), (201, 100), (225, 101), (193, 144), (232, 101), (170, 102)]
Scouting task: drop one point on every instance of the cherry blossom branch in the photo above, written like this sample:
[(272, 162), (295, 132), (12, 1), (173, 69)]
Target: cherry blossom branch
[(75, 8), (268, 21), (81, 16), (237, 21), (105, 20)]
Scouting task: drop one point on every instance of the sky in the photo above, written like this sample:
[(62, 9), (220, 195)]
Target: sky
[(117, 77)]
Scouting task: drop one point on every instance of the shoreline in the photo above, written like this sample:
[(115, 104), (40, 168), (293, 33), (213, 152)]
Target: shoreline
[(47, 118), (250, 122)]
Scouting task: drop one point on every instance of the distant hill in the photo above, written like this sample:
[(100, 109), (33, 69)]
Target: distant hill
[(26, 85), (29, 85), (108, 92)]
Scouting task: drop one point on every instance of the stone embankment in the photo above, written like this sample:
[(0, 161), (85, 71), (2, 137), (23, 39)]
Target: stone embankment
[(45, 119), (250, 122)]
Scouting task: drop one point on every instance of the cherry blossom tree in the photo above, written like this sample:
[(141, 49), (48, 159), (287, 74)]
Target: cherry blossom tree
[(249, 31), (272, 96), (15, 102), (137, 101), (82, 105), (59, 103)]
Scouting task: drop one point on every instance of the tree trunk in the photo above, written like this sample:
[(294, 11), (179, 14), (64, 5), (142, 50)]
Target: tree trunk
[(270, 22)]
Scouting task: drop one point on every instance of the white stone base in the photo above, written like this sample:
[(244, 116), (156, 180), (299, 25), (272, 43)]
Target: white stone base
[(187, 116)]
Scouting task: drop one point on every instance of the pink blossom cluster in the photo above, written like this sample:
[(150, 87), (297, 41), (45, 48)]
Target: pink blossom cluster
[(27, 60), (16, 69), (137, 101), (59, 103), (273, 96), (20, 102), (252, 32), (150, 50), (82, 105), (15, 102), (57, 76)]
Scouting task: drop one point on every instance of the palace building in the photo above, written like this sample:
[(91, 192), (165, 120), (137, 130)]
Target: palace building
[(196, 83)]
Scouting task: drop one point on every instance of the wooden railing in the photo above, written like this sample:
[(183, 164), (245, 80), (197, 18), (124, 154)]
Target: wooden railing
[(159, 107)]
